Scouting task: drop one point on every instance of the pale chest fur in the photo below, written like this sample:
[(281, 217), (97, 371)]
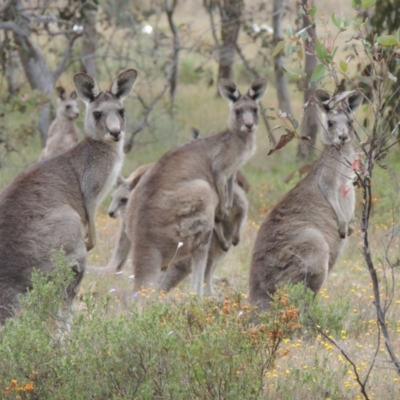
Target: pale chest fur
[(113, 172)]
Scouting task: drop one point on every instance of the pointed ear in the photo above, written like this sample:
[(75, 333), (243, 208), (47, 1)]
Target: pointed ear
[(120, 181), (73, 95), (355, 100), (323, 98), (228, 90), (123, 83), (61, 92), (86, 87), (258, 89)]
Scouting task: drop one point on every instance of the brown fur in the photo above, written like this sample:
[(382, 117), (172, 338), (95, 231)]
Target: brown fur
[(51, 205), (178, 200), (303, 235)]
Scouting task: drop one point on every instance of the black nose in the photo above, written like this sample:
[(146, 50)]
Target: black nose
[(111, 214), (249, 126), (115, 135)]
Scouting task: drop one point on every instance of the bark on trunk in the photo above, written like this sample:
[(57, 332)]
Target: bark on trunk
[(310, 122), (89, 43), (230, 12), (281, 82)]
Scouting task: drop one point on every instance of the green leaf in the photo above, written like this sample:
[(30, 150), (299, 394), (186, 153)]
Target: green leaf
[(387, 40), (356, 3), (280, 45), (318, 73), (321, 51), (368, 3), (336, 21), (292, 72), (313, 10), (343, 66)]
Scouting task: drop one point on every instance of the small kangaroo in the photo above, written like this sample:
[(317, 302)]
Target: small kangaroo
[(303, 235), (178, 201), (63, 133), (51, 205)]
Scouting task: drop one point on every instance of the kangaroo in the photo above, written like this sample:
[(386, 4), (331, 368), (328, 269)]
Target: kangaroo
[(63, 133), (171, 212), (51, 205), (304, 234), (232, 228)]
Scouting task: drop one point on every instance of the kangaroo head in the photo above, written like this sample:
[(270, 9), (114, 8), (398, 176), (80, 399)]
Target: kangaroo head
[(67, 105), (244, 114), (337, 127), (119, 198), (105, 115)]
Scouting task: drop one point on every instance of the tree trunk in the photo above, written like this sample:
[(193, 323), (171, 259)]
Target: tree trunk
[(89, 42), (230, 12), (39, 77), (310, 122), (281, 82)]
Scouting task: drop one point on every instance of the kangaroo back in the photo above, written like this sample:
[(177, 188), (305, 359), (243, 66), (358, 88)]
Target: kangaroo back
[(51, 205)]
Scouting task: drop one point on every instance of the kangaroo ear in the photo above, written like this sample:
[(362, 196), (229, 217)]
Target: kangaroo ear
[(73, 95), (228, 90), (323, 98), (355, 100), (258, 89), (86, 87), (61, 92), (120, 181), (123, 83)]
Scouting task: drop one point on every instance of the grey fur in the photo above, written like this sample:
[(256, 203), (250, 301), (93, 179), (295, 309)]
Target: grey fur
[(51, 205), (303, 235), (179, 199), (63, 133)]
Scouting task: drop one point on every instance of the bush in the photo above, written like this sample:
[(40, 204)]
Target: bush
[(199, 348)]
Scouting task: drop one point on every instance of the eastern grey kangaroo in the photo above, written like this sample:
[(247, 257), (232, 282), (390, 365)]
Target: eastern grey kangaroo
[(303, 235), (63, 133), (51, 205), (232, 227), (173, 209)]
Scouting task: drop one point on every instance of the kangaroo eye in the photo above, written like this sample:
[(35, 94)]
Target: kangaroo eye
[(238, 112), (97, 115), (330, 124), (124, 200), (122, 113), (255, 110), (67, 107)]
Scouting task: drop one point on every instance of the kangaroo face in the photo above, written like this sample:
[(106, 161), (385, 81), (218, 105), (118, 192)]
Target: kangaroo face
[(119, 200), (337, 126), (244, 115), (244, 108), (105, 119), (67, 105)]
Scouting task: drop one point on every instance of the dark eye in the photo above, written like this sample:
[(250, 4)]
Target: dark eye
[(122, 113), (330, 124), (255, 110), (238, 112), (68, 107), (350, 123), (97, 115), (124, 200)]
